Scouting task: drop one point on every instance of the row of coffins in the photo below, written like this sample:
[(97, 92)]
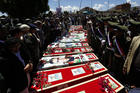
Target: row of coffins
[(54, 79), (69, 65)]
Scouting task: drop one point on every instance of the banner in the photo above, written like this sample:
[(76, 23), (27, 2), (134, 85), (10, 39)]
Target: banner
[(58, 61)]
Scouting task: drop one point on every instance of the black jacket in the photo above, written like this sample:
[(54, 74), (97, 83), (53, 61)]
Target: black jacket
[(13, 71), (25, 53), (3, 87)]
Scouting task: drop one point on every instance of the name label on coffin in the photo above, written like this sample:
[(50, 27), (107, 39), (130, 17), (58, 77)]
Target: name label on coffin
[(96, 66), (78, 71), (81, 92), (113, 84), (55, 77)]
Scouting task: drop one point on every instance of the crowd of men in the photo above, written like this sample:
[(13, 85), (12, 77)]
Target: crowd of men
[(114, 38), (22, 43)]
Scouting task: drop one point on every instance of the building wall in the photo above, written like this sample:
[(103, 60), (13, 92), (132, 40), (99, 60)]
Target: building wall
[(123, 7)]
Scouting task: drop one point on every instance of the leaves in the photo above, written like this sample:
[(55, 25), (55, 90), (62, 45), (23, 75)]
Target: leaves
[(24, 8)]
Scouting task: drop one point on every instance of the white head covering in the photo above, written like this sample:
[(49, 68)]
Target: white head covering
[(24, 27)]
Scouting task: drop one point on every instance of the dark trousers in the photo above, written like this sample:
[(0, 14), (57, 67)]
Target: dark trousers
[(116, 68), (134, 77)]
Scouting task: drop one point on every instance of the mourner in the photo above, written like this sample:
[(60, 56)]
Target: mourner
[(114, 37), (131, 65), (12, 67)]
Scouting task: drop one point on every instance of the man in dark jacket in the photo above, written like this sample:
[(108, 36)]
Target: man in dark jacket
[(3, 34), (12, 68)]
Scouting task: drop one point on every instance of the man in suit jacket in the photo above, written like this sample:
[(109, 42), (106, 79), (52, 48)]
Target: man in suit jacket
[(3, 35), (12, 68)]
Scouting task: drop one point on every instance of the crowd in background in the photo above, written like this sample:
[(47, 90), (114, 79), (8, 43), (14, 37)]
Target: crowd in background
[(22, 43), (114, 38)]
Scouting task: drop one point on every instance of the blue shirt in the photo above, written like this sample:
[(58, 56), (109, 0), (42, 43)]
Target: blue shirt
[(1, 41), (20, 58)]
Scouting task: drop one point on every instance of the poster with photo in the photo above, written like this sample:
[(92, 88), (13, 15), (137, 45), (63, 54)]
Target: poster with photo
[(96, 66), (55, 77), (57, 61), (79, 27), (83, 49), (57, 50), (67, 45), (85, 44), (62, 51), (84, 57), (77, 50), (77, 71), (91, 56), (80, 57), (113, 84), (66, 40), (53, 45), (81, 92), (89, 49), (77, 58), (47, 59)]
